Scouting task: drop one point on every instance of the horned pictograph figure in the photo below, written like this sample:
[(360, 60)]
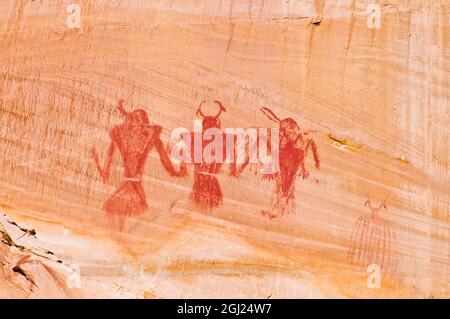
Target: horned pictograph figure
[(134, 139), (372, 240), (294, 145), (206, 192)]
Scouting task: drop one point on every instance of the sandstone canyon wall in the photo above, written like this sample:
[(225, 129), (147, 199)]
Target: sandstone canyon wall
[(377, 98)]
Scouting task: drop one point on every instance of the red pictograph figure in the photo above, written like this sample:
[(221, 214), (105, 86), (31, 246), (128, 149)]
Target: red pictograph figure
[(372, 240), (293, 149), (206, 192), (134, 139)]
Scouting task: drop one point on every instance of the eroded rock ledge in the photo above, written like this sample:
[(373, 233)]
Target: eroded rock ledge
[(27, 269)]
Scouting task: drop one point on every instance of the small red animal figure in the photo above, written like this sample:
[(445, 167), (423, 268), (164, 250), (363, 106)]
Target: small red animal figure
[(372, 240), (293, 149), (134, 139)]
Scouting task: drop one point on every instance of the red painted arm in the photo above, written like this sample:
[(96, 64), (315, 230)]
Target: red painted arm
[(234, 169), (165, 160), (304, 172), (315, 154), (104, 172)]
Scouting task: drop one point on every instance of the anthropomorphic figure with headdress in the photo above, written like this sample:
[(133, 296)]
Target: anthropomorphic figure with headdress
[(293, 149), (206, 150), (134, 139)]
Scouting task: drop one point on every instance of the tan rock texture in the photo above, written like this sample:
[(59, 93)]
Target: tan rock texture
[(378, 99)]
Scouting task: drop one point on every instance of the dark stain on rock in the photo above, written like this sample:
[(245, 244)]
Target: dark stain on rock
[(7, 240), (30, 232), (20, 271), (343, 143)]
